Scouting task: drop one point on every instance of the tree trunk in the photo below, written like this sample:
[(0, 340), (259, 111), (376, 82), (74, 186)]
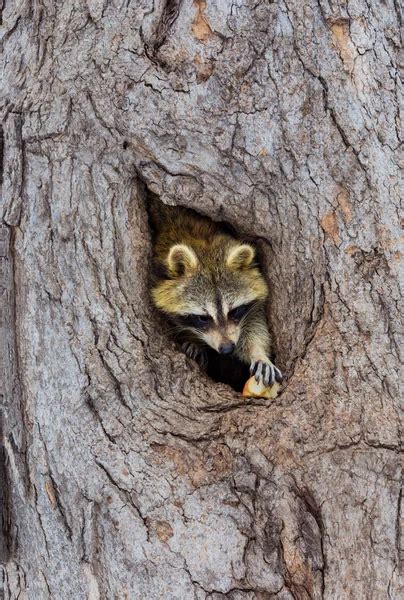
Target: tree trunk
[(130, 474)]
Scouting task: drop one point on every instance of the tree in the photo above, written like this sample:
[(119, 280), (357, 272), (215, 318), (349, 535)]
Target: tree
[(128, 472)]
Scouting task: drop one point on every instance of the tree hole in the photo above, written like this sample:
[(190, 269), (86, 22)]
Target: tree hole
[(174, 261)]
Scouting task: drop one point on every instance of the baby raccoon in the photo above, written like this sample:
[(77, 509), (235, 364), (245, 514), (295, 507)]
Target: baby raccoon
[(211, 289)]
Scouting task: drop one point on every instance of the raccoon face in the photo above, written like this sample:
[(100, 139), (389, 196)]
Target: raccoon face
[(216, 327), (211, 295)]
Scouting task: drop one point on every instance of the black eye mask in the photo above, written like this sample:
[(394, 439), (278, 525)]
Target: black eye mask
[(236, 314), (197, 321)]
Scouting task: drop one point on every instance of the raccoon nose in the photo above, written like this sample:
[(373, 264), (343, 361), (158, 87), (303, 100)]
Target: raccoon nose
[(226, 348)]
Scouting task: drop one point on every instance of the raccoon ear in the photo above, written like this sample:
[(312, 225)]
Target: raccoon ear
[(182, 260), (240, 257)]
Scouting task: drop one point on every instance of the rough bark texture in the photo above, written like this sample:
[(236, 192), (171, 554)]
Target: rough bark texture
[(131, 475)]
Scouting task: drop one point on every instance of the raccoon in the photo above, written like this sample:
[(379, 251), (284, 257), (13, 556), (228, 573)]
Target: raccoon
[(208, 284)]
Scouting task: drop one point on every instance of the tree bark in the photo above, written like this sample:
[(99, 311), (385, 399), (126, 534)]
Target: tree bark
[(127, 473)]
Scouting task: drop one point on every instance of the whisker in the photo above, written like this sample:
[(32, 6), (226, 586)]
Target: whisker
[(173, 329), (187, 334), (248, 313)]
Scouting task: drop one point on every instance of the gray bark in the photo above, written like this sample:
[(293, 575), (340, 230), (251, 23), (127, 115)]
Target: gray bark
[(127, 473)]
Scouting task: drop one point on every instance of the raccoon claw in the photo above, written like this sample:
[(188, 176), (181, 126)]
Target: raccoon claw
[(265, 372), (196, 353)]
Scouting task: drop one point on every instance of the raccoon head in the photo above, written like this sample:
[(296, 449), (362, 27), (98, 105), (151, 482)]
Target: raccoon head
[(210, 291)]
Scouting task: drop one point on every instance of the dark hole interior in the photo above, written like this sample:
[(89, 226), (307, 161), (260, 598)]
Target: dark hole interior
[(226, 369)]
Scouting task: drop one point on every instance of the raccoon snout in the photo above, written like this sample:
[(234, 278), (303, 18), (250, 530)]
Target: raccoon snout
[(226, 348)]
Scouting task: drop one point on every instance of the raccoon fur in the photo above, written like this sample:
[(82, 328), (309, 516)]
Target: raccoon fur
[(208, 284)]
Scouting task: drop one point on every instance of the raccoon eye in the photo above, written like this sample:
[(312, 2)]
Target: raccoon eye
[(238, 313), (196, 320), (201, 319)]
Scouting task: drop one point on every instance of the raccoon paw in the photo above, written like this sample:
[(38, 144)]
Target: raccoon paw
[(196, 353), (265, 372)]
